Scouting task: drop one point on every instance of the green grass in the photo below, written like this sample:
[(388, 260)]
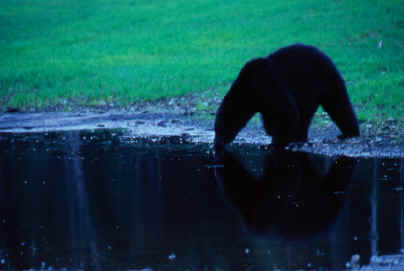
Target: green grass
[(125, 50)]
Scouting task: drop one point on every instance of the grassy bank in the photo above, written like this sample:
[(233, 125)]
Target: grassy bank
[(92, 51)]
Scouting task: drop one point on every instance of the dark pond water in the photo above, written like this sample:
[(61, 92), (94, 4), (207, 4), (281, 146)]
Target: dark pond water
[(100, 201)]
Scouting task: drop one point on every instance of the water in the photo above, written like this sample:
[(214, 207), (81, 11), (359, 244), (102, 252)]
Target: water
[(103, 201)]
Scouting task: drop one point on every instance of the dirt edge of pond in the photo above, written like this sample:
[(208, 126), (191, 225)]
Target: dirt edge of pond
[(198, 128), (393, 262)]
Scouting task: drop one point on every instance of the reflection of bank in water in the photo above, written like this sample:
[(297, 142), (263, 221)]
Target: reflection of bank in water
[(94, 200)]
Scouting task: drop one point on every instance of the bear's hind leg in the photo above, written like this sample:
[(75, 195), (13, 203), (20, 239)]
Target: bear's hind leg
[(341, 112)]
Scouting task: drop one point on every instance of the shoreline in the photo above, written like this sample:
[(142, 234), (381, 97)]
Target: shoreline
[(322, 139)]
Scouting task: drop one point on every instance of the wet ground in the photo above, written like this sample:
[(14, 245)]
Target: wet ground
[(126, 200), (385, 140)]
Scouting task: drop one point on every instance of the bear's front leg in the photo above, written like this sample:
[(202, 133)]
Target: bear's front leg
[(282, 120)]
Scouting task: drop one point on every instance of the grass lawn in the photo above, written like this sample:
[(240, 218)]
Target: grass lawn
[(56, 51)]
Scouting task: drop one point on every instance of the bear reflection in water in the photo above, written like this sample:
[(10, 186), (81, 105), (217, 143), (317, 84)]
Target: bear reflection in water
[(292, 198)]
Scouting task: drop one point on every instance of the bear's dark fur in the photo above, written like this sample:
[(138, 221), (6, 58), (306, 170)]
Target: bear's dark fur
[(287, 88)]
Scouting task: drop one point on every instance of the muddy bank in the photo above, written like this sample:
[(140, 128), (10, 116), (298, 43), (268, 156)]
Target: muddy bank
[(199, 128), (379, 263)]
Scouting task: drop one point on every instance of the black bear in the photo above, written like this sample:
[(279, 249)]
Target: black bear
[(287, 88)]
